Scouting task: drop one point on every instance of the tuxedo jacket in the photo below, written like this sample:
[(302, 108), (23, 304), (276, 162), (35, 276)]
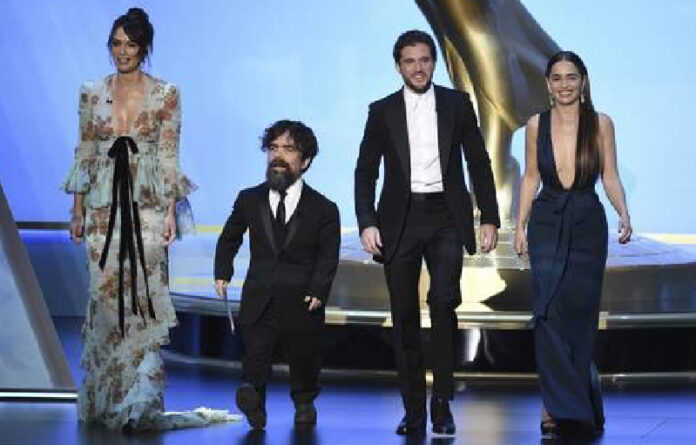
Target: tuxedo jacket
[(386, 137), (304, 265)]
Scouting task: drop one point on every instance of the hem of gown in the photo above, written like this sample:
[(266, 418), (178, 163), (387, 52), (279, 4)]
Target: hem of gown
[(121, 416), (167, 420), (593, 420), (137, 413), (593, 423)]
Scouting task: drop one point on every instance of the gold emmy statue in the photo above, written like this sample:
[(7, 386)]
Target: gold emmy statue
[(497, 52)]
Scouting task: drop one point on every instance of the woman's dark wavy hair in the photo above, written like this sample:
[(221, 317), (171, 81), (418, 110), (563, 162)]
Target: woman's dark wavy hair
[(136, 24), (410, 38), (302, 136), (587, 160)]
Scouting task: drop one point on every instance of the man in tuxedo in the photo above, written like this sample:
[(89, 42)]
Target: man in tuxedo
[(294, 236), (424, 212)]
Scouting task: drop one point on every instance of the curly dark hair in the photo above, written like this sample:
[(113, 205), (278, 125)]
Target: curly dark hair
[(136, 24), (410, 38), (301, 135)]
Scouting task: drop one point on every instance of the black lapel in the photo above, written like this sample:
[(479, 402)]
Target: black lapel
[(445, 124), (296, 217), (265, 211), (396, 121)]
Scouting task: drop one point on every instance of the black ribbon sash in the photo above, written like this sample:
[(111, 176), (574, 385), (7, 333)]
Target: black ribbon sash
[(564, 202), (123, 186)]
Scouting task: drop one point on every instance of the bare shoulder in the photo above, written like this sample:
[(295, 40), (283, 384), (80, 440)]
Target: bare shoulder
[(532, 126), (533, 122), (606, 125)]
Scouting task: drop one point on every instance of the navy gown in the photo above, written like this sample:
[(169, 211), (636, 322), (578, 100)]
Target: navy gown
[(567, 236)]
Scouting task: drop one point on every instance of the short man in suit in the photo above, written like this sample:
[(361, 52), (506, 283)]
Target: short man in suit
[(294, 235), (424, 212)]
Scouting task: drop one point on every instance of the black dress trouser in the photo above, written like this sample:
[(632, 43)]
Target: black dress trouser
[(301, 350), (429, 234)]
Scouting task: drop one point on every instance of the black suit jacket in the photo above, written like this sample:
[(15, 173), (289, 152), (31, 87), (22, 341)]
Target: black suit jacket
[(304, 265), (386, 136)]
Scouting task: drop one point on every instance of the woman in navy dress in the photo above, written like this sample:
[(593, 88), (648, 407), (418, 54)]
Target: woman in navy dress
[(567, 148)]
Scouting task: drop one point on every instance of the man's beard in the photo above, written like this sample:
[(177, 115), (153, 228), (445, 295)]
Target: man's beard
[(280, 180), (416, 89)]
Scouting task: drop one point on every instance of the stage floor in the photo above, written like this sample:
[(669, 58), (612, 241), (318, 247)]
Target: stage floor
[(353, 411)]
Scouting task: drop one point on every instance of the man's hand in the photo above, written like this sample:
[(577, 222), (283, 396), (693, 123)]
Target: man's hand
[(221, 288), (489, 237), (371, 240), (313, 303)]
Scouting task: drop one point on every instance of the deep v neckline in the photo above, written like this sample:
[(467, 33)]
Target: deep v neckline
[(553, 159), (139, 109)]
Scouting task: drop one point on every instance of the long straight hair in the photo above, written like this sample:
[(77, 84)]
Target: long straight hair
[(587, 160)]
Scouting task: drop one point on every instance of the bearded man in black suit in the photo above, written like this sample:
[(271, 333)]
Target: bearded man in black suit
[(294, 235), (424, 212)]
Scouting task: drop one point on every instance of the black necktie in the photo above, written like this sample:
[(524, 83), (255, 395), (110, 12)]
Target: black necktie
[(280, 211)]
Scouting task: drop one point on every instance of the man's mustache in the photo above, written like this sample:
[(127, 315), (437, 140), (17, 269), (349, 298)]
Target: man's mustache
[(279, 163)]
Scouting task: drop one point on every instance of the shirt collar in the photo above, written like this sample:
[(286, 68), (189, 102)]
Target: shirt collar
[(292, 192), (414, 100)]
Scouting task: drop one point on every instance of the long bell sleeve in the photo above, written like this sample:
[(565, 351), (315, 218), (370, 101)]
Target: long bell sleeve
[(176, 185), (81, 175)]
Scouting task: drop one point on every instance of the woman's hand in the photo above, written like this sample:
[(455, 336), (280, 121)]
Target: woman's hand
[(625, 229), (521, 244), (77, 226), (169, 233)]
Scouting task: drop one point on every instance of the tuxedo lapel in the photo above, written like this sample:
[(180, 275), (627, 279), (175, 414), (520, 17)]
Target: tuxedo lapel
[(265, 213), (396, 122), (445, 124)]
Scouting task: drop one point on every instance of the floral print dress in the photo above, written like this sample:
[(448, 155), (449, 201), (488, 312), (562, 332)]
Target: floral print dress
[(124, 373)]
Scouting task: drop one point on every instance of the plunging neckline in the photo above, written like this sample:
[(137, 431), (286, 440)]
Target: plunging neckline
[(553, 159), (139, 109)]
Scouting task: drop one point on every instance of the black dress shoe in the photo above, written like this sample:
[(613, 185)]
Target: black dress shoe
[(305, 414), (574, 429), (407, 428), (251, 403), (549, 430), (441, 416)]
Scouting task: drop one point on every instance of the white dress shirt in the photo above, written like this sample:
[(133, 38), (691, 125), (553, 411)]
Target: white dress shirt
[(421, 122), (291, 199)]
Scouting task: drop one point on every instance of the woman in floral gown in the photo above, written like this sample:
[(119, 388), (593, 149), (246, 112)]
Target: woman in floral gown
[(129, 202)]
